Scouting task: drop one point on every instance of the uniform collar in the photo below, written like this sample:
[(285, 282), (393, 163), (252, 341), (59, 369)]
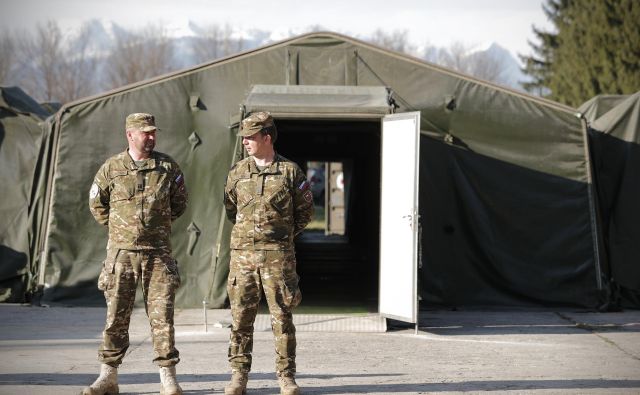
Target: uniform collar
[(148, 164), (273, 168)]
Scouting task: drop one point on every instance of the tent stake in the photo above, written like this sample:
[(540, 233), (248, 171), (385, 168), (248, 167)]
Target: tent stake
[(204, 313)]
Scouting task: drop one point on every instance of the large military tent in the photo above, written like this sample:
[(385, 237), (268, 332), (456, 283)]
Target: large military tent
[(21, 120), (505, 205), (614, 133)]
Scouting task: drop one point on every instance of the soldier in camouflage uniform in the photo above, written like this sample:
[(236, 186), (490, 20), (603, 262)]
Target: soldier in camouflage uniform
[(268, 199), (137, 194)]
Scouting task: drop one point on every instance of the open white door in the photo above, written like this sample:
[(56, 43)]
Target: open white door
[(399, 216)]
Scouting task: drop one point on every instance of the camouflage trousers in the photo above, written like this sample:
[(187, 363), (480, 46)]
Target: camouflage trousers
[(158, 274), (251, 273)]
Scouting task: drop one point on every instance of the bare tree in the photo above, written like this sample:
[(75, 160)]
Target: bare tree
[(465, 59), (485, 65), (138, 56), (216, 42), (41, 58), (456, 57), (8, 58), (396, 40), (56, 67), (77, 77)]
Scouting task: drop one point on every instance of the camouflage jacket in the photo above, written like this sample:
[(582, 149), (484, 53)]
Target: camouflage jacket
[(269, 207), (138, 203)]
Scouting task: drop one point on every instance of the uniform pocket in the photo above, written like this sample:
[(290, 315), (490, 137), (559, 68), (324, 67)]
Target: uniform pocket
[(162, 190), (245, 192), (106, 280), (290, 287), (292, 293), (173, 272), (278, 195), (123, 187), (232, 280)]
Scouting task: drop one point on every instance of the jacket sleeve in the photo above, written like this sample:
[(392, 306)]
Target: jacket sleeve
[(100, 195), (230, 199), (179, 195), (302, 202)]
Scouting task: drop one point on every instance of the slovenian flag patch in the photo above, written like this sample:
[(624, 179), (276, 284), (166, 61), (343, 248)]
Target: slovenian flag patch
[(304, 186)]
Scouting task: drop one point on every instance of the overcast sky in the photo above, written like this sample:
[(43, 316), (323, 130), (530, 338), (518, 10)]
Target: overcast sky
[(435, 22)]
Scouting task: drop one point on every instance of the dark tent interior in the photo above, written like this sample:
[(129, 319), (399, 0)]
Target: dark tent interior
[(340, 270)]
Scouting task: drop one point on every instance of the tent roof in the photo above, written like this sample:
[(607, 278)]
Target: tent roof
[(16, 100), (320, 38), (295, 101), (598, 105), (623, 120)]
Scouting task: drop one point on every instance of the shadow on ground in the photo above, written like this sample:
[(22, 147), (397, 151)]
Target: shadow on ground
[(452, 323), (219, 380)]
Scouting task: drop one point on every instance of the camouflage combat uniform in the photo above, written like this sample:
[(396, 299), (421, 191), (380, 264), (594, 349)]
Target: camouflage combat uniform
[(138, 203), (268, 209)]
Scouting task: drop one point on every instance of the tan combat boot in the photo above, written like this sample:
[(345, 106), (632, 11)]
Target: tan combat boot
[(168, 382), (288, 385), (237, 385), (106, 383)]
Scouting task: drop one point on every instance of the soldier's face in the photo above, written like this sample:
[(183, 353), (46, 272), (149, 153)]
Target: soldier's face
[(143, 142), (257, 144)]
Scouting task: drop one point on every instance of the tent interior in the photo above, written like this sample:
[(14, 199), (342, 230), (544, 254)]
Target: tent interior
[(338, 270)]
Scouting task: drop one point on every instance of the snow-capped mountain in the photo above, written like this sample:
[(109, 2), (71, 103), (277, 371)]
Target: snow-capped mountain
[(192, 44), (511, 74)]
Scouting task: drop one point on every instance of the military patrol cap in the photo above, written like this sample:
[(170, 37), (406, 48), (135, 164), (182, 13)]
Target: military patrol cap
[(141, 121), (255, 123)]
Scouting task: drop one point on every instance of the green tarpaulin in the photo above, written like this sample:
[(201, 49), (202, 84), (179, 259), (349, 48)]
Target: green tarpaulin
[(597, 106), (319, 101), (615, 143), (507, 201), (20, 137)]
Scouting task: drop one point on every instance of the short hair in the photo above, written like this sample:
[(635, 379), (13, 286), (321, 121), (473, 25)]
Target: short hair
[(270, 131)]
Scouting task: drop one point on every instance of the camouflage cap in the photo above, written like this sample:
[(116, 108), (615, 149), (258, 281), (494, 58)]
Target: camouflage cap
[(255, 123), (141, 121)]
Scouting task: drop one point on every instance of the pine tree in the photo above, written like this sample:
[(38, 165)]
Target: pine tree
[(595, 49)]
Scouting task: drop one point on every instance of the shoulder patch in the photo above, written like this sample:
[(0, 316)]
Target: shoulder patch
[(179, 180), (93, 192), (304, 186), (308, 196)]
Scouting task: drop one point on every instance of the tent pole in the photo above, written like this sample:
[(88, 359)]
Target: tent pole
[(48, 200), (592, 207)]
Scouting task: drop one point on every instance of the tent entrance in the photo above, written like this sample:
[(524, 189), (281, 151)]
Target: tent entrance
[(338, 266), (334, 134)]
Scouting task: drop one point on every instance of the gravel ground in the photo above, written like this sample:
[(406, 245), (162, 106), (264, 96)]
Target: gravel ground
[(53, 351)]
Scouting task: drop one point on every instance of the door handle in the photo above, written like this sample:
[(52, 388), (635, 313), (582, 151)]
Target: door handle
[(411, 219)]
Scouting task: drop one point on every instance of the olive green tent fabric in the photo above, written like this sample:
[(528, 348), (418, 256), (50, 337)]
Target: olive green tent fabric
[(615, 141), (505, 194), (598, 105), (504, 202), (622, 121), (319, 101), (20, 137)]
